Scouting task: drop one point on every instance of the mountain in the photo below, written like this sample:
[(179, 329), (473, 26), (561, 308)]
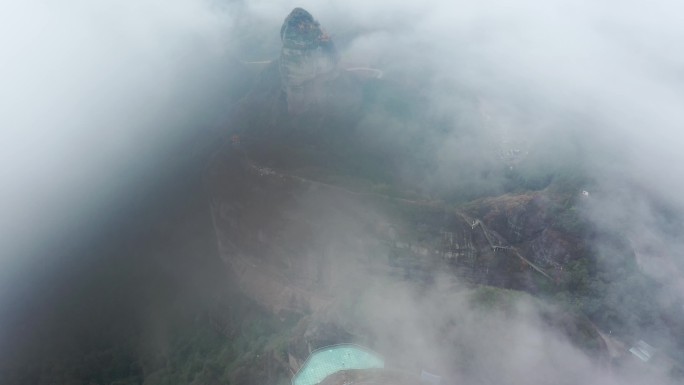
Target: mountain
[(308, 60), (326, 211), (317, 203)]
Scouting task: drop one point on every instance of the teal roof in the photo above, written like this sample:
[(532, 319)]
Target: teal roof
[(326, 361)]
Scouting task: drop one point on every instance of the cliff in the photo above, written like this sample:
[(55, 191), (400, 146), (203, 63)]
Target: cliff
[(308, 60)]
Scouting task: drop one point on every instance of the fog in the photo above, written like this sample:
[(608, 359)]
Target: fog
[(446, 332), (93, 94), (596, 86), (97, 98)]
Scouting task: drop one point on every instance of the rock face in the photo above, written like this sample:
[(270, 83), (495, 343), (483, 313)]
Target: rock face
[(296, 245), (302, 91), (308, 60)]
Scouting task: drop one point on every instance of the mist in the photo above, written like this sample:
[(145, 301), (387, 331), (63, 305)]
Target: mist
[(93, 97), (103, 103), (579, 87)]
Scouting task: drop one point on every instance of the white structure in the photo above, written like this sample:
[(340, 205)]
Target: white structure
[(643, 351)]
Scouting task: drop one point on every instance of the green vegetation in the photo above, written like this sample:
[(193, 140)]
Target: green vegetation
[(243, 350)]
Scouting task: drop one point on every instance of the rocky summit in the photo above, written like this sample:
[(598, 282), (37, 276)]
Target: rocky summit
[(308, 60)]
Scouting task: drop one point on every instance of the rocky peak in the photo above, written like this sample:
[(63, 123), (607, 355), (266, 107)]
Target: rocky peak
[(308, 60), (300, 30)]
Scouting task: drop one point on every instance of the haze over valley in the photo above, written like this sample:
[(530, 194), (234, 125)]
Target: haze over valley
[(209, 191)]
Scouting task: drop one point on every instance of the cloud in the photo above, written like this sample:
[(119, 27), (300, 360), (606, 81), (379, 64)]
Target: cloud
[(93, 90), (448, 331), (601, 85), (90, 92), (593, 87)]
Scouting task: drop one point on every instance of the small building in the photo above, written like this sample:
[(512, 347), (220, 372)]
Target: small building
[(643, 351)]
